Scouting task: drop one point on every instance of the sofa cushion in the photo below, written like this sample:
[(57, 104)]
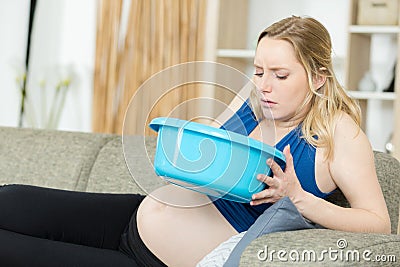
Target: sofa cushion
[(325, 247), (110, 173), (388, 171), (57, 159)]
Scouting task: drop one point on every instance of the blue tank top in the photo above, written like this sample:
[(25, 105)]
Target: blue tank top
[(241, 215)]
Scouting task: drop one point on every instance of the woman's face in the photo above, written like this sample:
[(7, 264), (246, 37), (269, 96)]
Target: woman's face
[(281, 81)]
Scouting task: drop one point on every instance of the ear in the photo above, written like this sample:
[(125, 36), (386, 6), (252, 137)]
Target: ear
[(319, 80)]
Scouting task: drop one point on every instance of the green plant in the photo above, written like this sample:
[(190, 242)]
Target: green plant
[(35, 108)]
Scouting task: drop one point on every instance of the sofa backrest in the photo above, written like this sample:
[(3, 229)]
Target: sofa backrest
[(48, 158), (388, 172), (110, 173), (90, 162)]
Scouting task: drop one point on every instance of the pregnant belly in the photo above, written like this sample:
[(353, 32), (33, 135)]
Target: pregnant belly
[(183, 233)]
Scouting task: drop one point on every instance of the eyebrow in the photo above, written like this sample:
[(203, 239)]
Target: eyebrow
[(272, 68)]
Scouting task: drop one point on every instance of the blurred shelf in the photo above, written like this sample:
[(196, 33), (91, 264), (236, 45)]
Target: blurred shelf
[(374, 29), (372, 95), (236, 53)]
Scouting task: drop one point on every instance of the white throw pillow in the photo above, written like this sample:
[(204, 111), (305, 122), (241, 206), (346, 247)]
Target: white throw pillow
[(220, 254)]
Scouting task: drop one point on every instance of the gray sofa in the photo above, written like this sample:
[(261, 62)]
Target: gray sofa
[(95, 163)]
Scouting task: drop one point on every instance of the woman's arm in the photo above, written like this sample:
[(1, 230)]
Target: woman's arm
[(353, 171)]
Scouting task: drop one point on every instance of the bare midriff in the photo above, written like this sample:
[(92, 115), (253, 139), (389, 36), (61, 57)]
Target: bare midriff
[(181, 234)]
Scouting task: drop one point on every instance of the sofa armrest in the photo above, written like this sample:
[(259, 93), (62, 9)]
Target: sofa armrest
[(322, 246)]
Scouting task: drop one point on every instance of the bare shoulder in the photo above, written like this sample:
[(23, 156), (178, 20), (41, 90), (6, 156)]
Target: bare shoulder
[(349, 137), (347, 129), (350, 140), (353, 160)]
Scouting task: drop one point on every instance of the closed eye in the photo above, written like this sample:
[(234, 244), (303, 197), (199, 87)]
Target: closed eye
[(259, 74), (281, 77)]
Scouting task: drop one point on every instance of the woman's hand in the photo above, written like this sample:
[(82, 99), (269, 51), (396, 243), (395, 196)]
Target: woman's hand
[(283, 183)]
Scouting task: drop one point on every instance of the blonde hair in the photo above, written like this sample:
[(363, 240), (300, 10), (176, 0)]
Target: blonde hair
[(312, 45)]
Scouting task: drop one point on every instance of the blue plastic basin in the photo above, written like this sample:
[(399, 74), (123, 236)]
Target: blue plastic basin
[(209, 160)]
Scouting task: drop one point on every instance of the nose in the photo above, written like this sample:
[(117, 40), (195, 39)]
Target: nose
[(265, 85)]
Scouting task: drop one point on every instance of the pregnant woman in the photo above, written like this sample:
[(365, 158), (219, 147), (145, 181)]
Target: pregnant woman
[(313, 121)]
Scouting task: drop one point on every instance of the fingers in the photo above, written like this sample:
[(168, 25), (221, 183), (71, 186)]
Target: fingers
[(272, 194), (279, 184), (264, 196), (260, 201), (266, 179), (267, 195), (289, 157), (276, 169)]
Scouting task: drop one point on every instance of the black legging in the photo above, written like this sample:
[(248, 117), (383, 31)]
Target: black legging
[(50, 227)]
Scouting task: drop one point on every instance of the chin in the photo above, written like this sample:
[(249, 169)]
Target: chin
[(268, 115)]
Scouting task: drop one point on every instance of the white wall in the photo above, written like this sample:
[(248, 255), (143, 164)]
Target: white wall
[(334, 14), (63, 44), (13, 26)]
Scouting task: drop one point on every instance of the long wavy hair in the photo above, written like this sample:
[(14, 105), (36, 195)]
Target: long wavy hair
[(312, 45)]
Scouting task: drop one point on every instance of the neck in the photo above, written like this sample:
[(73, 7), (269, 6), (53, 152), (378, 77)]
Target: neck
[(281, 125), (271, 132)]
